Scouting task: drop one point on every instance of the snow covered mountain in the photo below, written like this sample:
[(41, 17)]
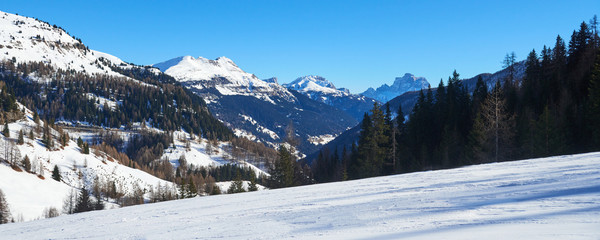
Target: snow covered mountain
[(547, 198), (401, 85), (50, 69), (320, 89), (223, 75), (258, 109), (312, 83), (24, 39)]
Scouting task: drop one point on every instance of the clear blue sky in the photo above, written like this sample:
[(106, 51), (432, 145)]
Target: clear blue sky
[(354, 44)]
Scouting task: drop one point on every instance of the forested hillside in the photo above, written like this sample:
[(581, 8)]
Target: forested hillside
[(553, 110)]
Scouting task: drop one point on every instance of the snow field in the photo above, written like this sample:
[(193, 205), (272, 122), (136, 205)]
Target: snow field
[(548, 198)]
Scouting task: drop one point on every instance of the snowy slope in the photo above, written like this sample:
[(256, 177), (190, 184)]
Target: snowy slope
[(198, 156), (550, 198), (26, 39), (403, 84), (28, 195)]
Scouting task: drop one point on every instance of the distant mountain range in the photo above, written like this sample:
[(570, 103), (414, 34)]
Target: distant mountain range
[(320, 89), (401, 85), (257, 109)]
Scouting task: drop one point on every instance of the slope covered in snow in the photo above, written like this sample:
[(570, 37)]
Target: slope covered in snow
[(25, 39), (29, 194), (549, 198)]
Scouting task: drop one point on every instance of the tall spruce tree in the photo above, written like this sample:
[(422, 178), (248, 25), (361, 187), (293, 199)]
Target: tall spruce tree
[(5, 216), (56, 174), (83, 202), (282, 171)]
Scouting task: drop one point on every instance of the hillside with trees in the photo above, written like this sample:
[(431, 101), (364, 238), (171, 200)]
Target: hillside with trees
[(553, 110)]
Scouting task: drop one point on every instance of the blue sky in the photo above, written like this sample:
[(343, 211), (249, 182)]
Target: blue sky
[(354, 44)]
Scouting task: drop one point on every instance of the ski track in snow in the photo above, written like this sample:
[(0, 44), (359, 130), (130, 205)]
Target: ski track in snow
[(549, 198)]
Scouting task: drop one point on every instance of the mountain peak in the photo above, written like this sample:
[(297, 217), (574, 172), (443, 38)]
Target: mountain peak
[(29, 40), (312, 83), (271, 80), (406, 83)]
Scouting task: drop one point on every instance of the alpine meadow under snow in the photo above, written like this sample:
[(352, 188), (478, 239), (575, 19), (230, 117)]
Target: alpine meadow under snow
[(548, 198)]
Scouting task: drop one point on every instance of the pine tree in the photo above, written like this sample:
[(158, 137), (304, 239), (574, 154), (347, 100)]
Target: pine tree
[(252, 186), (282, 171), (192, 191), (21, 139), (56, 174), (548, 140), (83, 202), (216, 190), (183, 191), (594, 104), (27, 163), (237, 186), (86, 148), (5, 216)]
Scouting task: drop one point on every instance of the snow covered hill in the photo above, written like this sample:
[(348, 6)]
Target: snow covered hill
[(549, 198), (401, 85), (28, 194), (320, 89), (25, 39), (257, 109)]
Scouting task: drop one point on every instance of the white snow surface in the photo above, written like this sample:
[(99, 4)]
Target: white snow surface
[(548, 198), (27, 39)]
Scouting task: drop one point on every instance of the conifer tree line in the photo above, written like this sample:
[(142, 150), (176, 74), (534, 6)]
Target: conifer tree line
[(80, 97), (554, 110)]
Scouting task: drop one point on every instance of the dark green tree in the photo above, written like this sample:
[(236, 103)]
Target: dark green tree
[(252, 186), (56, 174), (237, 186), (83, 202), (192, 191), (282, 171), (86, 148), (593, 109)]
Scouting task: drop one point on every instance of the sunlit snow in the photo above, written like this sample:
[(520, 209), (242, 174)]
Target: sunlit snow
[(551, 198)]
